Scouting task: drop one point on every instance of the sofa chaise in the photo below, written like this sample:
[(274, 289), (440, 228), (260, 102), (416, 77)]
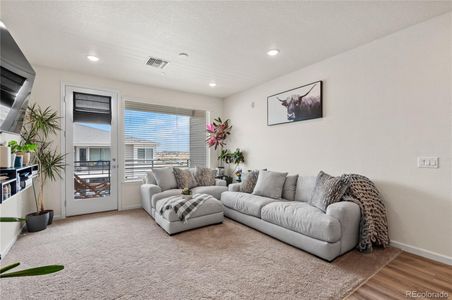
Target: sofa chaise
[(152, 193), (326, 234)]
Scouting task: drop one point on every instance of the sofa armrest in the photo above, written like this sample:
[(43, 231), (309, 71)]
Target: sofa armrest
[(234, 187), (220, 182), (147, 191), (349, 215)]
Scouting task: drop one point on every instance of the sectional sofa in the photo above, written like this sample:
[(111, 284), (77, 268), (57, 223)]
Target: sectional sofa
[(325, 234)]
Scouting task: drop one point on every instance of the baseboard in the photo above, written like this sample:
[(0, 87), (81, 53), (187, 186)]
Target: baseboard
[(423, 252), (11, 244), (133, 206)]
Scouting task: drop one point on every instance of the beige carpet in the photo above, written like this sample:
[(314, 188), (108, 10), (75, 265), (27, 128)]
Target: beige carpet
[(125, 255)]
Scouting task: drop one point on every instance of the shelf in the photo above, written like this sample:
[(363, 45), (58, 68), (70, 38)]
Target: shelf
[(15, 178)]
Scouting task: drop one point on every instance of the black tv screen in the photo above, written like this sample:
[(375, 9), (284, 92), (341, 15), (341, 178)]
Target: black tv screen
[(16, 81)]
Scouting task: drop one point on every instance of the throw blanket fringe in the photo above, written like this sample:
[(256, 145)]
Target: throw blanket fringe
[(182, 207), (373, 227)]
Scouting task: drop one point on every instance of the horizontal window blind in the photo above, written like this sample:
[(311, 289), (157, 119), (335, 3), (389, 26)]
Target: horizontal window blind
[(170, 136), (90, 108)]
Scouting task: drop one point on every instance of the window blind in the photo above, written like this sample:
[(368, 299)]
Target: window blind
[(159, 136), (90, 108)]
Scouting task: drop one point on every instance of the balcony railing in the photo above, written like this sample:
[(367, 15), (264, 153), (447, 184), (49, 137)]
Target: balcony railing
[(137, 168), (91, 179)]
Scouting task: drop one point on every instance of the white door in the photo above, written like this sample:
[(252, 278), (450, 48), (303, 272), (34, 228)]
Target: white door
[(91, 146)]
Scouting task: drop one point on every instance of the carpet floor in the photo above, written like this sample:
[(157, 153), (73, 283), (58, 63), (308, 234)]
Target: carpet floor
[(126, 255)]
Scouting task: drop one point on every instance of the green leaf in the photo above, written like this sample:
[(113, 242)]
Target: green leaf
[(9, 267), (44, 270), (11, 219)]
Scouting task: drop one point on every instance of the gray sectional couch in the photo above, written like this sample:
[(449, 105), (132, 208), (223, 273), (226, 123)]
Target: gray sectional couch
[(324, 234)]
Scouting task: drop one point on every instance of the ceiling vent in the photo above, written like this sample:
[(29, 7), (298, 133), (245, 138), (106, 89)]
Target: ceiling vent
[(156, 62)]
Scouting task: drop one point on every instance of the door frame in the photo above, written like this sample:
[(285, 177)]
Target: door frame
[(118, 189)]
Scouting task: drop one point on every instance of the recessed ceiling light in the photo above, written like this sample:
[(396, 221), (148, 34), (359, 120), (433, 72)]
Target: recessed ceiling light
[(2, 25), (272, 52), (212, 84), (92, 58), (183, 54)]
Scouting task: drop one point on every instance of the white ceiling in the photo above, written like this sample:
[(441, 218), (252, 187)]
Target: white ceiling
[(226, 41)]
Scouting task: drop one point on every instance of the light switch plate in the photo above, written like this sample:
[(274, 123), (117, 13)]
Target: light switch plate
[(428, 162)]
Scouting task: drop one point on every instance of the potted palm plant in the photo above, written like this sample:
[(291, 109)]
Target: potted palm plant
[(39, 127)]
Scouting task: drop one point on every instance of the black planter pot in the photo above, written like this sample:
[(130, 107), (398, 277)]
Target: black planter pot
[(50, 211), (37, 221)]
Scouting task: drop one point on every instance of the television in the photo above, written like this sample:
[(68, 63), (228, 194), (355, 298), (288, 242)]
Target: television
[(16, 80)]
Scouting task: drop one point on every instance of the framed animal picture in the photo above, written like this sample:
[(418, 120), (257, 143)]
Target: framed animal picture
[(298, 104)]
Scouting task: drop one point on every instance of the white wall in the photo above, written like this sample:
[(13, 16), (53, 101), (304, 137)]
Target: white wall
[(385, 104), (47, 92)]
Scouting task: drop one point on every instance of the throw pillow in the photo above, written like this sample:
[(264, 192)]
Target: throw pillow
[(249, 180), (165, 178), (270, 184), (289, 187), (150, 178), (328, 190), (184, 178), (205, 176)]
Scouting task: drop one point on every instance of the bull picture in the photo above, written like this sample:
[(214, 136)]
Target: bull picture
[(302, 103)]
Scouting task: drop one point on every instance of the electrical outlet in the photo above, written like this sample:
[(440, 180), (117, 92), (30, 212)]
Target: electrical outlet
[(428, 162)]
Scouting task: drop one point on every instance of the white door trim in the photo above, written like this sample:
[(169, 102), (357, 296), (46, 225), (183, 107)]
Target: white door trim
[(119, 158)]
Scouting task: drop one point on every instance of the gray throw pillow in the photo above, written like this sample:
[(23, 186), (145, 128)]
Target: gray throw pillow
[(205, 176), (184, 178), (165, 178), (289, 187), (150, 178), (249, 180), (270, 184), (328, 190)]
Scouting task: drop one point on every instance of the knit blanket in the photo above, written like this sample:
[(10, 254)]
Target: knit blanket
[(183, 208), (373, 227)]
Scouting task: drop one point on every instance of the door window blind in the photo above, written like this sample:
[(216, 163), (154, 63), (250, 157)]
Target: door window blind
[(90, 108), (170, 136)]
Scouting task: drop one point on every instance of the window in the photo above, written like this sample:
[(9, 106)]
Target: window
[(97, 154), (159, 136), (145, 153), (82, 154)]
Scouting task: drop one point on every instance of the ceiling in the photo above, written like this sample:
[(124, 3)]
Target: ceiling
[(226, 41)]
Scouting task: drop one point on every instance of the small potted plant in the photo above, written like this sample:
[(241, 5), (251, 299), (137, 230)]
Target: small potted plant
[(14, 149), (186, 194)]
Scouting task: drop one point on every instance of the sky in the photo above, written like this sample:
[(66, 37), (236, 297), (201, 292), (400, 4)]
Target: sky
[(171, 132)]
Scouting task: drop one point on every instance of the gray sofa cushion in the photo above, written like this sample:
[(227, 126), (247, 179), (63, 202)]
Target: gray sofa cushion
[(165, 178), (168, 193), (328, 190), (249, 180), (305, 187), (210, 206), (289, 188), (185, 178), (205, 176), (245, 203), (270, 184), (214, 191), (303, 218)]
